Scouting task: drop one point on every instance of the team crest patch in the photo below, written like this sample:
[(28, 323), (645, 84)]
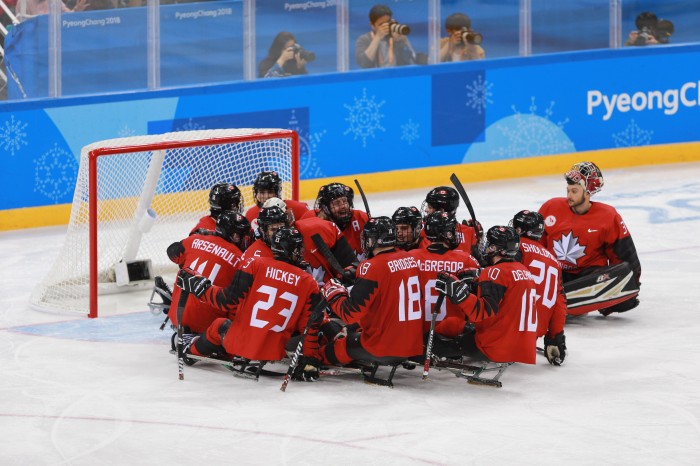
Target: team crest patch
[(364, 268), (550, 220)]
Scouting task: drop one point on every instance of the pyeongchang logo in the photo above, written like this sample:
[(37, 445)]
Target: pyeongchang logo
[(670, 100)]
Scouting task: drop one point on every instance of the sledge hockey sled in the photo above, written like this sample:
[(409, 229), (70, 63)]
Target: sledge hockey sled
[(475, 369), (600, 290)]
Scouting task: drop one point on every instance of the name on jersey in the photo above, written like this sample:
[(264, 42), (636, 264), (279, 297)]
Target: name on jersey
[(537, 250), (282, 276), (521, 275), (439, 266), (402, 264), (214, 249)]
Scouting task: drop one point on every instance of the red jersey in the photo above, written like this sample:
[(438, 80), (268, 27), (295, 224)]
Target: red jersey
[(386, 302), (551, 301), (267, 301), (259, 248), (352, 230), (210, 256), (504, 313), (594, 239), (205, 223), (466, 235), (321, 270), (298, 209), (431, 261)]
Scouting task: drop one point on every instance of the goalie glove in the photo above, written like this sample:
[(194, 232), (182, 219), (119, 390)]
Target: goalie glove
[(307, 369), (195, 284), (451, 286), (555, 349), (333, 290)]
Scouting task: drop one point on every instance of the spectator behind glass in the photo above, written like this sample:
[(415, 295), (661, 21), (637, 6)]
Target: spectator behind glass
[(453, 47), (41, 7), (380, 47), (283, 59), (650, 30)]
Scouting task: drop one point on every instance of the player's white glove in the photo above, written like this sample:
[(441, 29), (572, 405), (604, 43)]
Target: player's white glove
[(333, 290), (195, 284)]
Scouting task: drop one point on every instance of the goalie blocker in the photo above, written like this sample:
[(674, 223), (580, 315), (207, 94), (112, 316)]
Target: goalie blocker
[(602, 289)]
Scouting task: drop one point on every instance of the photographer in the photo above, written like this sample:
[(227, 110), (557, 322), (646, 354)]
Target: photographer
[(461, 43), (386, 45), (650, 30), (284, 58)]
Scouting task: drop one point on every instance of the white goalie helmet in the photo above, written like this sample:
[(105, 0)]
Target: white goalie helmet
[(279, 203)]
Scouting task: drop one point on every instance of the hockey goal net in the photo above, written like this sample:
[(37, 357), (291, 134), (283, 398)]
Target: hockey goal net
[(135, 196)]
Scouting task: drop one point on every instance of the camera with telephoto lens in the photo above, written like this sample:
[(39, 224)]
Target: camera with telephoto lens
[(647, 24), (470, 37), (397, 28), (304, 54)]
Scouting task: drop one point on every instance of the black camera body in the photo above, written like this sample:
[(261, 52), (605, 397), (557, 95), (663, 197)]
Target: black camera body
[(397, 28), (470, 37), (304, 54), (650, 26)]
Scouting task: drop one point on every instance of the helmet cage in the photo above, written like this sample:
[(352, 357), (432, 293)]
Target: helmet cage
[(587, 175), (410, 216), (330, 192), (267, 217)]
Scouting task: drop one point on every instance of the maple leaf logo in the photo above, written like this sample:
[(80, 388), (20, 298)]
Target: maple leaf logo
[(567, 248)]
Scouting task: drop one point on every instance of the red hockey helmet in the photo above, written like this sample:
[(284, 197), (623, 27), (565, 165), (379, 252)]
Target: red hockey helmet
[(586, 174)]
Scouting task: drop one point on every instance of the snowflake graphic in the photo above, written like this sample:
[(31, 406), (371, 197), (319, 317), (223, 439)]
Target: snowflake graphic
[(365, 117), (125, 132), (479, 94), (308, 145), (409, 131), (55, 173), (568, 249), (189, 126), (632, 136), (530, 134), (12, 135)]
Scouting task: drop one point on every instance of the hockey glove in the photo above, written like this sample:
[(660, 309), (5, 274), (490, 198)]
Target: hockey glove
[(478, 229), (333, 290), (348, 275), (307, 369), (195, 284), (452, 287), (555, 349)]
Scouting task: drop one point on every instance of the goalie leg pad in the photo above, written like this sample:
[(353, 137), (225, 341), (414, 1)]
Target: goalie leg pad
[(601, 289)]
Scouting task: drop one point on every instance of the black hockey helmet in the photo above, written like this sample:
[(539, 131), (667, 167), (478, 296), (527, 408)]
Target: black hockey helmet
[(408, 216), (378, 232), (327, 194), (270, 216), (225, 196), (288, 245), (442, 198), (269, 181), (586, 174), (500, 241), (529, 224), (442, 227), (234, 228)]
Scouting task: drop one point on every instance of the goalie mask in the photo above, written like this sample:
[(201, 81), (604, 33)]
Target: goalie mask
[(409, 224), (586, 174), (500, 241), (335, 200), (442, 198), (271, 219), (529, 224), (267, 181), (378, 232), (234, 228), (288, 245), (441, 227), (279, 203), (225, 196)]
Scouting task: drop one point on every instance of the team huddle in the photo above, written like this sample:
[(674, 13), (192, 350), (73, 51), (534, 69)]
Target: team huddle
[(333, 287)]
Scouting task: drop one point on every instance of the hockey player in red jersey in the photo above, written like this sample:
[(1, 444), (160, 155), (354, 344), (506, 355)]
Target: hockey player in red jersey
[(268, 300), (270, 219), (409, 225), (269, 184), (503, 308), (214, 255), (385, 302), (586, 236), (335, 203), (441, 255), (551, 303), (222, 196), (446, 199)]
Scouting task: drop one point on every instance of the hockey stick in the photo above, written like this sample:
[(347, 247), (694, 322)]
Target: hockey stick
[(460, 189), (364, 198), (180, 339), (297, 352), (327, 253), (431, 334)]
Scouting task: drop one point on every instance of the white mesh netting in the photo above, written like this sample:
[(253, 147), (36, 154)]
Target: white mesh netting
[(173, 182)]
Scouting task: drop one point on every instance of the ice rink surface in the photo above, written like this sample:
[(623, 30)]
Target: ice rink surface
[(80, 391)]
